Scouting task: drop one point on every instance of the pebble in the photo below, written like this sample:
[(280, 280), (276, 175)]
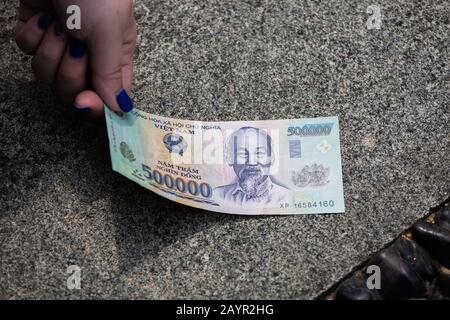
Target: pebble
[(443, 281), (415, 266), (398, 279), (415, 256), (354, 289), (443, 216), (435, 239)]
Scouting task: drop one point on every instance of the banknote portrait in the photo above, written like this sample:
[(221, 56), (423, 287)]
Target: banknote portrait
[(249, 151)]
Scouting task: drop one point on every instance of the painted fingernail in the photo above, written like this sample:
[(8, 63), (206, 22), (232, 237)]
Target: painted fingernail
[(124, 101), (59, 30), (77, 48), (81, 109), (45, 21)]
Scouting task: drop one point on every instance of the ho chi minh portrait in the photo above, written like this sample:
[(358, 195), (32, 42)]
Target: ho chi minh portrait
[(250, 152)]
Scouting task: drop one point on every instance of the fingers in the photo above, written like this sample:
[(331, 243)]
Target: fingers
[(62, 61), (29, 8), (89, 102), (72, 72), (26, 12), (106, 54), (28, 35), (127, 62), (49, 54)]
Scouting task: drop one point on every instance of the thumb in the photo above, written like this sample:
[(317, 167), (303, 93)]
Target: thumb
[(106, 54)]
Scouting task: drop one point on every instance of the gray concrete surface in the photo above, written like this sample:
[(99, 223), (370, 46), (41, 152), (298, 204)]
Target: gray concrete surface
[(61, 204)]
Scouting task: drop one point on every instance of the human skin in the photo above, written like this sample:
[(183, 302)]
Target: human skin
[(89, 67)]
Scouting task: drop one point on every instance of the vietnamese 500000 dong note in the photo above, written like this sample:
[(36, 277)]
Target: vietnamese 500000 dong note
[(251, 167)]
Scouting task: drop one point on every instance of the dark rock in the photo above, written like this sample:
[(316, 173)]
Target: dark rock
[(354, 289), (398, 279), (435, 239), (443, 281), (443, 216), (415, 256)]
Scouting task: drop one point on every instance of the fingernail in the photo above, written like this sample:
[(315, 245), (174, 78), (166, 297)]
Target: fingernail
[(59, 30), (45, 21), (81, 109), (124, 101), (77, 48)]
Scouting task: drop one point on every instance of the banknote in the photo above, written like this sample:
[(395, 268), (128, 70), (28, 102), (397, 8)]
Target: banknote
[(239, 167)]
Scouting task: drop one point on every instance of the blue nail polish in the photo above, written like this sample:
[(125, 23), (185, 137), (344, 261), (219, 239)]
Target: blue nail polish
[(45, 21), (81, 109), (77, 48), (124, 101)]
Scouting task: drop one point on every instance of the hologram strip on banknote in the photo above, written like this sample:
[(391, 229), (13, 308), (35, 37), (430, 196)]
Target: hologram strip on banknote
[(267, 167)]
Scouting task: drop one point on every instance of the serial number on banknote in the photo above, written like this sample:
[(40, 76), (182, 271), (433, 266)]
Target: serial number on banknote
[(315, 204)]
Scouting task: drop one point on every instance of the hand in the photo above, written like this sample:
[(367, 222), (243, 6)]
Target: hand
[(100, 54)]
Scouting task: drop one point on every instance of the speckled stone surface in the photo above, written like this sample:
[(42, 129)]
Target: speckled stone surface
[(61, 204)]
